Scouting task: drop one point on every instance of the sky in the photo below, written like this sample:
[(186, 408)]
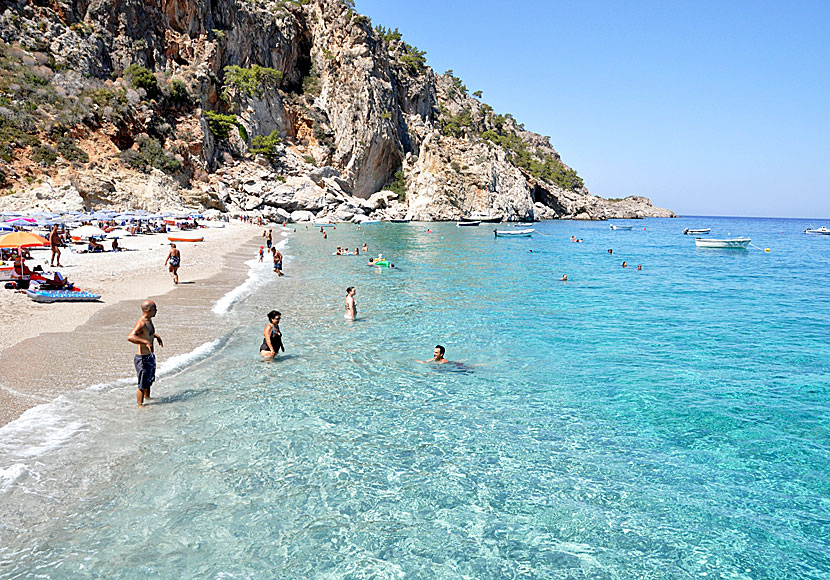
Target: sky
[(707, 108)]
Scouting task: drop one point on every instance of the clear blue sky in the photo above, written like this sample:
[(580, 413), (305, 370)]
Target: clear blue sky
[(708, 108)]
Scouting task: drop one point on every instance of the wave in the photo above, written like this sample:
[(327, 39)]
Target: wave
[(49, 426), (258, 274)]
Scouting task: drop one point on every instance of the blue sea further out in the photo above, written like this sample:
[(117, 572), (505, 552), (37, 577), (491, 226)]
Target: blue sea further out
[(669, 422)]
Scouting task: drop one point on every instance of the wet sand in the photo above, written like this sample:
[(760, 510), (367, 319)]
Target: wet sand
[(44, 366)]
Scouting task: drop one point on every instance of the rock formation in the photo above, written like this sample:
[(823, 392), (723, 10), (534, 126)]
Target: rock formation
[(274, 107)]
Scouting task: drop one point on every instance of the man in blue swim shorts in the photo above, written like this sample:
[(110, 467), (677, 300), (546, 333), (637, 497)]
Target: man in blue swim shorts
[(143, 335)]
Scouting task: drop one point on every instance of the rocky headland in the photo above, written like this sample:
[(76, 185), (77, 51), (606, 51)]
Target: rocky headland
[(286, 109)]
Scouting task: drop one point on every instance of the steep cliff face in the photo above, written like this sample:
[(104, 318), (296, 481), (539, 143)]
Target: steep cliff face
[(305, 95)]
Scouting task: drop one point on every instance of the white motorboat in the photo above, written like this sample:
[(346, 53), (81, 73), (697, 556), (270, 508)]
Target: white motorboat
[(481, 217), (730, 243), (822, 231), (461, 224), (369, 222), (618, 227), (689, 231), (400, 221), (514, 233)]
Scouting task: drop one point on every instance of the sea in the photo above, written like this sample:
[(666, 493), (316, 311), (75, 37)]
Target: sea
[(669, 422)]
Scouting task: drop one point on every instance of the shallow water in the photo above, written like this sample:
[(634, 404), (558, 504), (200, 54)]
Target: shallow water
[(664, 423)]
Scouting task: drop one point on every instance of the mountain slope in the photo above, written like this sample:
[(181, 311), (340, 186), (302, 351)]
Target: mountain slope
[(266, 106)]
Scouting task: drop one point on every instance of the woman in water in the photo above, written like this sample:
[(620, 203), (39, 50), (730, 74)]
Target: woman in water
[(272, 341), (351, 307)]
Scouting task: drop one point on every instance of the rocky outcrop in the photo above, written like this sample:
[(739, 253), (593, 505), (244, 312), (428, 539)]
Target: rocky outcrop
[(323, 112)]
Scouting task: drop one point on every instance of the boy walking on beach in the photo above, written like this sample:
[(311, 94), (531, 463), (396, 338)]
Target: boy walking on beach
[(143, 334)]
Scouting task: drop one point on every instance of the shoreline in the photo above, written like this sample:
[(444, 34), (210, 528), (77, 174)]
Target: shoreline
[(85, 343)]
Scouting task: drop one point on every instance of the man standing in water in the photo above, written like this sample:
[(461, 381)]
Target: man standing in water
[(143, 334), (351, 307), (277, 260), (175, 259), (437, 356)]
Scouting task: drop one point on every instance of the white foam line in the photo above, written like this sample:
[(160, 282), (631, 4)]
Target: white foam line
[(48, 426), (258, 274)]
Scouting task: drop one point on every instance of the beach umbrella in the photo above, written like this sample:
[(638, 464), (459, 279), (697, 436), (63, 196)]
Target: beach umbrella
[(118, 234), (22, 240), (21, 221), (88, 232)]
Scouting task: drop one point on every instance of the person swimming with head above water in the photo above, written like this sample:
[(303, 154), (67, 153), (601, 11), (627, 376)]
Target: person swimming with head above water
[(272, 337), (437, 356)]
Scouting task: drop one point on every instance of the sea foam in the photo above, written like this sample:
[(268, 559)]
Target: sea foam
[(258, 274)]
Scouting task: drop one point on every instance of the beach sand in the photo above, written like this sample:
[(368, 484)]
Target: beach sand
[(48, 350)]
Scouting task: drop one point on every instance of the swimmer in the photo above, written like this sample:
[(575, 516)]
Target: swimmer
[(625, 264), (610, 251), (365, 248), (564, 278), (351, 307), (371, 262), (437, 356), (639, 266), (357, 251), (272, 341)]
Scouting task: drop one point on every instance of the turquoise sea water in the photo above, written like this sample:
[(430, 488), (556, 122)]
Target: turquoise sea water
[(672, 422)]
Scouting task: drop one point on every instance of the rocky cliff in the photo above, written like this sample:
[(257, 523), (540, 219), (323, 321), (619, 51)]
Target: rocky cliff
[(265, 106)]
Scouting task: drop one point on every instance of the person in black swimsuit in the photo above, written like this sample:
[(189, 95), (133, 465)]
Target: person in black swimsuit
[(272, 337), (174, 258)]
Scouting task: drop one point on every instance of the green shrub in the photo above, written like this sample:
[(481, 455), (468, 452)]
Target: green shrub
[(311, 83), (221, 125), (310, 160), (45, 155), (398, 184), (477, 94), (250, 81), (70, 151), (150, 153), (178, 95), (142, 78), (388, 34), (266, 145)]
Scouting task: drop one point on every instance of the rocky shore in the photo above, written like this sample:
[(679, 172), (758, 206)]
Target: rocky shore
[(284, 109)]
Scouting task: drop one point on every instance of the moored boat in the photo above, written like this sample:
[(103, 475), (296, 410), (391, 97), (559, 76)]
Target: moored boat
[(729, 243), (482, 217), (400, 221), (822, 231), (619, 227), (689, 231), (514, 233), (460, 224), (185, 239)]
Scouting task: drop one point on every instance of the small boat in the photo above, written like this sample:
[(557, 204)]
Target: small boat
[(369, 222), (481, 217), (521, 224), (514, 233), (322, 224), (822, 231), (185, 239), (460, 224), (730, 243), (688, 231), (617, 227), (400, 221), (48, 296)]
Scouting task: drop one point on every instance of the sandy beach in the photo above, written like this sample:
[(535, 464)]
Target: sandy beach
[(47, 350)]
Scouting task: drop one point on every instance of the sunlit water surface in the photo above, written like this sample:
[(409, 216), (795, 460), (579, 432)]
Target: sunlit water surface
[(672, 422)]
